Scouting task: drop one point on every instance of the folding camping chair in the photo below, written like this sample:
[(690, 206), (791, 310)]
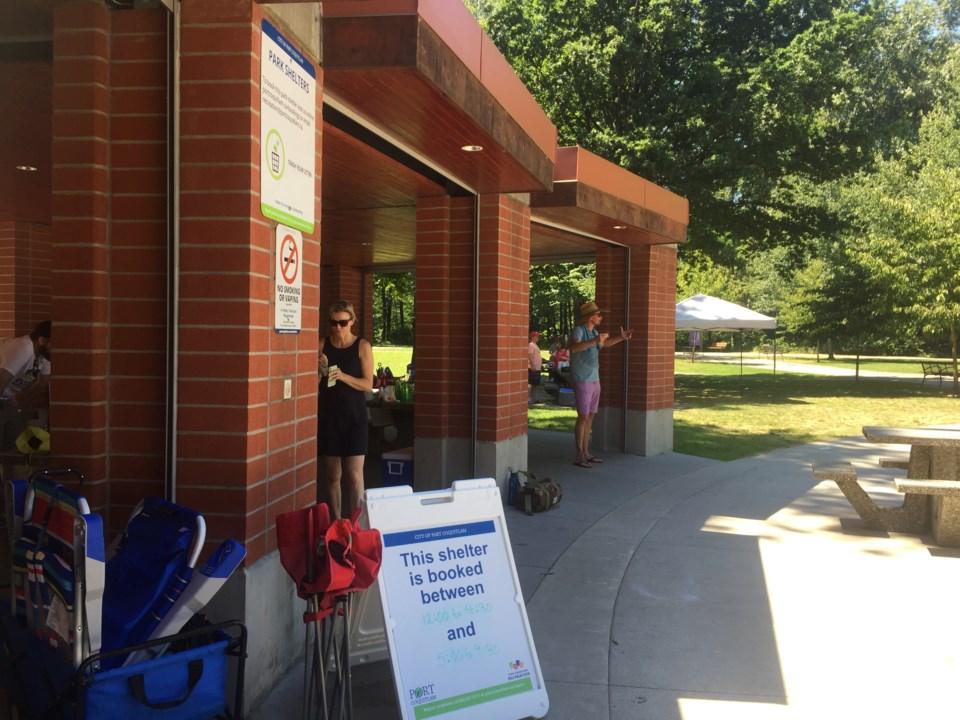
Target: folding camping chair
[(70, 611), (152, 565), (60, 543), (328, 561)]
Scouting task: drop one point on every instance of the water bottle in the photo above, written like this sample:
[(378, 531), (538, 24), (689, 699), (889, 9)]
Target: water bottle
[(512, 486)]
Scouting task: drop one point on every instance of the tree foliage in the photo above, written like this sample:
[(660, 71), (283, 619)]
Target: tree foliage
[(908, 214), (556, 293), (393, 308), (740, 107)]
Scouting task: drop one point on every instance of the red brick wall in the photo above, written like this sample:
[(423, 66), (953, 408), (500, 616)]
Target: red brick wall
[(80, 241), (611, 297), (24, 277), (137, 265), (350, 284), (245, 454), (653, 313), (504, 268), (444, 302)]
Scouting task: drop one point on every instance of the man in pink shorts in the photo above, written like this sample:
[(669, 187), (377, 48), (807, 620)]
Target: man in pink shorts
[(586, 343)]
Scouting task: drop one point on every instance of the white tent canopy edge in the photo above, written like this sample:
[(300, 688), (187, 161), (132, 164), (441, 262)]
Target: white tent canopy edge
[(703, 312)]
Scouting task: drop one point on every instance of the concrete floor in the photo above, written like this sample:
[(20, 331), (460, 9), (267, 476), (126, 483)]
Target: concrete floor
[(679, 588)]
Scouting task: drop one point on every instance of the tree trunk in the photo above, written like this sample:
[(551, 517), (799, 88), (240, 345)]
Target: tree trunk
[(857, 373), (830, 349)]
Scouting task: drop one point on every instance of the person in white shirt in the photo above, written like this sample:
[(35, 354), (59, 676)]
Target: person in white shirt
[(24, 376), (534, 365)]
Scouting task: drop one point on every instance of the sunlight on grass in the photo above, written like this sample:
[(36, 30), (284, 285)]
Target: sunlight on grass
[(395, 357), (713, 419)]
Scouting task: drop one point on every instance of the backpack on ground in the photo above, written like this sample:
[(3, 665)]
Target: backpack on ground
[(533, 496)]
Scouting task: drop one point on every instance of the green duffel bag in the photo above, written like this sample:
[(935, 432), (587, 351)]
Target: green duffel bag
[(535, 496)]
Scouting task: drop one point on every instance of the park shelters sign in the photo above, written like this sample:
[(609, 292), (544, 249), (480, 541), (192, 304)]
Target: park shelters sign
[(288, 132)]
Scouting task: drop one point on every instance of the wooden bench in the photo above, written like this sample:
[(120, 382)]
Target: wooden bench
[(719, 346), (768, 351), (935, 369), (944, 496), (913, 516)]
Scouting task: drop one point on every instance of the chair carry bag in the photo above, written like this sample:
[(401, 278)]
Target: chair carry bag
[(535, 496)]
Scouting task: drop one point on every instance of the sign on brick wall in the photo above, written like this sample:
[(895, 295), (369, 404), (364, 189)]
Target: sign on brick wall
[(288, 131), (288, 280)]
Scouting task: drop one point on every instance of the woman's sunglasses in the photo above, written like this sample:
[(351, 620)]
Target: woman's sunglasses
[(341, 323)]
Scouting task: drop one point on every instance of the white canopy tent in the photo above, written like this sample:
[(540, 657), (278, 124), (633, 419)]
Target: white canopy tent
[(703, 312)]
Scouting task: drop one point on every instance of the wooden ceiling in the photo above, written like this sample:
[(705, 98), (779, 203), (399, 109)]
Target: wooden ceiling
[(369, 209)]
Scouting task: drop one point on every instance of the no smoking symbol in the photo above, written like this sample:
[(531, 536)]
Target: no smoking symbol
[(289, 259)]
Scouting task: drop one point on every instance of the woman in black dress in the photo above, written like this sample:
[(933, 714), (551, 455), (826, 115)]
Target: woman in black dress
[(346, 373)]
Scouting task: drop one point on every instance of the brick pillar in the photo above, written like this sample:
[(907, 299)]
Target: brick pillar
[(137, 401), (80, 242), (245, 454), (504, 306), (25, 292), (444, 341), (612, 298), (653, 273)]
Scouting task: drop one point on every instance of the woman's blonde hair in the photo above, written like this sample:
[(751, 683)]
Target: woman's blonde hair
[(342, 306)]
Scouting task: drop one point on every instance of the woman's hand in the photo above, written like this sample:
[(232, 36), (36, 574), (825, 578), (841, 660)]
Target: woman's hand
[(323, 363), (334, 374)]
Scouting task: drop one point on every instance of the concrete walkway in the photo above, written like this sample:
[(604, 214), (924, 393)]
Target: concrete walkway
[(676, 587)]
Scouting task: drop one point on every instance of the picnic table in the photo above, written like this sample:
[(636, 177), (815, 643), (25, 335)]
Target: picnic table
[(931, 488)]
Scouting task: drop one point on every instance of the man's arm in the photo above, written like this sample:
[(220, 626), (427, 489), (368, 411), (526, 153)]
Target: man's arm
[(614, 339), (581, 345)]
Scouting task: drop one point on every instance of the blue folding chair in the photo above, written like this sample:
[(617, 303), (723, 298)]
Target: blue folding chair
[(75, 619)]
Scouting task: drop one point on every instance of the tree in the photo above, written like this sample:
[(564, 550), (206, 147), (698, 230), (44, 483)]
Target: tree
[(697, 273), (556, 293), (393, 303), (741, 108), (837, 298), (909, 213)]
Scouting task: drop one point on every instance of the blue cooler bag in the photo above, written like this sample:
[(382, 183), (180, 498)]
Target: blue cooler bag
[(186, 685)]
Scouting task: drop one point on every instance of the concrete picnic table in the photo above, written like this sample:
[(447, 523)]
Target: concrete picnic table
[(933, 473), (931, 489), (934, 452)]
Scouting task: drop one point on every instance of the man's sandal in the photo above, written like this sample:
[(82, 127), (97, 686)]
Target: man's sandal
[(582, 463), (594, 460)]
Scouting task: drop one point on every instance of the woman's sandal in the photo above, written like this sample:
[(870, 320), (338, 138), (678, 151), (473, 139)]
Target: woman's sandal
[(594, 460), (582, 463)]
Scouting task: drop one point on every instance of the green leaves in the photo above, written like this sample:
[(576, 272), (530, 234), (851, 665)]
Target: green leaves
[(731, 104)]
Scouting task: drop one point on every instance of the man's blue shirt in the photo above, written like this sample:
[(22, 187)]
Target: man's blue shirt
[(585, 365)]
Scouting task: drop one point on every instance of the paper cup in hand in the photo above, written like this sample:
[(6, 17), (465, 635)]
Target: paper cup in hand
[(331, 381)]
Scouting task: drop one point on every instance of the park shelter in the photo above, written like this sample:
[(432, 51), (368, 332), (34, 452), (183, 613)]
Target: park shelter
[(136, 223)]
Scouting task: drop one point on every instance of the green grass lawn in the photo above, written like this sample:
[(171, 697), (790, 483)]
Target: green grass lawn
[(712, 419), (395, 357)]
